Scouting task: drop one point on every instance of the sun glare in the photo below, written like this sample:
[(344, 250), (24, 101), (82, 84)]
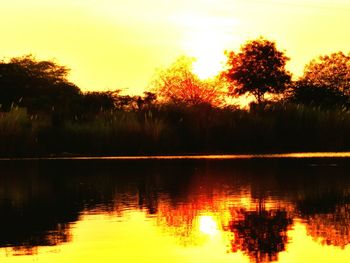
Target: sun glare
[(208, 50), (207, 225), (205, 38), (208, 65)]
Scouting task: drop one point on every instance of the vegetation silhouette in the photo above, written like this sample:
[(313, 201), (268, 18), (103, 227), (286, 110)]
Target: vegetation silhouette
[(258, 68), (318, 96), (178, 84), (38, 86), (329, 71), (42, 113), (325, 82)]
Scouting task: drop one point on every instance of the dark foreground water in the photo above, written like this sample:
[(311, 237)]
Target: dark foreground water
[(199, 210)]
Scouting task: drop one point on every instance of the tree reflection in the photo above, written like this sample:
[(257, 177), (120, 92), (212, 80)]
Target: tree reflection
[(327, 218), (261, 234), (40, 202), (35, 224), (254, 202), (331, 229)]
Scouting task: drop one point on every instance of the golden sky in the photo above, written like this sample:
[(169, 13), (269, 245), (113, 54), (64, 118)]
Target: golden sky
[(118, 44)]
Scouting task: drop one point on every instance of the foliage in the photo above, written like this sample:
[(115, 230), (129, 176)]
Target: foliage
[(97, 101), (126, 102), (257, 69), (36, 85), (325, 82), (303, 92), (329, 71), (178, 84), (54, 117)]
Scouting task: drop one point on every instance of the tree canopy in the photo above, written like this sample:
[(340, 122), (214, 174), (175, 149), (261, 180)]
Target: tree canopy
[(329, 71), (319, 96), (325, 83), (36, 85), (257, 69), (178, 84)]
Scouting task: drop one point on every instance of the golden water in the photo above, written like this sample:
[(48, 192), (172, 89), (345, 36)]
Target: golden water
[(175, 210)]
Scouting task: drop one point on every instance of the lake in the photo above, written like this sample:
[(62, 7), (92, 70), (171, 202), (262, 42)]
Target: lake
[(198, 209)]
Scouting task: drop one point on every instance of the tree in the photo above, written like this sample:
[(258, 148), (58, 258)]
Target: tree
[(257, 69), (36, 85), (330, 71), (325, 83), (178, 84), (97, 101), (320, 96)]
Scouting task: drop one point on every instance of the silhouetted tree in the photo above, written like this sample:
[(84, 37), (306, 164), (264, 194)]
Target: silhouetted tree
[(36, 85), (330, 71), (178, 84), (97, 101), (320, 96), (257, 69), (325, 83), (148, 100), (124, 102)]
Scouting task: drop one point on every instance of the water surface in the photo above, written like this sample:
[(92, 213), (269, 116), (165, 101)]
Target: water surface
[(175, 210)]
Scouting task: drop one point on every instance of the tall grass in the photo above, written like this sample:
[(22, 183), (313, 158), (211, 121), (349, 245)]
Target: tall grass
[(16, 132), (173, 129)]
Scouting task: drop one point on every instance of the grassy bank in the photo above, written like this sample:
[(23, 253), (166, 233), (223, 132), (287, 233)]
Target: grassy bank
[(170, 129)]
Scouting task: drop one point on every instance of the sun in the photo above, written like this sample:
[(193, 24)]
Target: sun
[(208, 65), (206, 38), (208, 50), (207, 225)]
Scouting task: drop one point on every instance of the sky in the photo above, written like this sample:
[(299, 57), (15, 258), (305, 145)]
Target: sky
[(118, 44)]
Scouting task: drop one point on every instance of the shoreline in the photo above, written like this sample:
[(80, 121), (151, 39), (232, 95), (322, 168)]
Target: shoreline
[(292, 155)]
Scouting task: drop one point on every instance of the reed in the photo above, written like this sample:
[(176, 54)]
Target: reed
[(178, 129), (16, 132)]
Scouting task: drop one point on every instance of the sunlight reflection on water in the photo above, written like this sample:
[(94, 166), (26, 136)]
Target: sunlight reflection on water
[(175, 211)]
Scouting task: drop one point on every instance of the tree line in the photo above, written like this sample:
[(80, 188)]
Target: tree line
[(42, 112), (43, 87), (257, 69)]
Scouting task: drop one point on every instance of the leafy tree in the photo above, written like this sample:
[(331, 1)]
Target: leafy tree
[(114, 100), (320, 96), (258, 68), (178, 84), (96, 101), (325, 83), (36, 85), (330, 71)]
